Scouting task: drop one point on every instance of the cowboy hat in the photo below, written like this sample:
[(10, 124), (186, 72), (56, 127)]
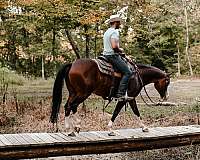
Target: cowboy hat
[(114, 18)]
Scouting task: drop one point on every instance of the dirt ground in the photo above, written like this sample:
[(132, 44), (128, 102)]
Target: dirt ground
[(34, 110)]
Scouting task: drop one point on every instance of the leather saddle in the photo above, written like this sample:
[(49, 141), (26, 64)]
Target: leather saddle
[(106, 67)]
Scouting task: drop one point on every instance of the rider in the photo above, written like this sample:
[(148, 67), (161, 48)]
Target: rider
[(113, 53)]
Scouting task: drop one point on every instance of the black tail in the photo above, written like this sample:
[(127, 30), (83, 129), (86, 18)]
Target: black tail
[(57, 91)]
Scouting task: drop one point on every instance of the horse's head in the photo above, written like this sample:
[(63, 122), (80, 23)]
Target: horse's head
[(161, 86)]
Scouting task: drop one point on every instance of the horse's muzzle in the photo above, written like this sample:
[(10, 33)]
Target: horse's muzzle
[(166, 96)]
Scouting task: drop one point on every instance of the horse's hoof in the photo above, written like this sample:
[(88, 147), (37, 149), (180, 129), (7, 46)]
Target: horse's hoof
[(77, 129), (112, 134), (145, 129), (72, 134)]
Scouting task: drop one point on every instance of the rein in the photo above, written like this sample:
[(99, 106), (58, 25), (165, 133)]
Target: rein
[(143, 86)]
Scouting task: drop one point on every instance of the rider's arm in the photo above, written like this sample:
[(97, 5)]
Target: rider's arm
[(115, 43)]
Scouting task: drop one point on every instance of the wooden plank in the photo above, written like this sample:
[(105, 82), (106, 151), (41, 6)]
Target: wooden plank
[(118, 136), (96, 142), (90, 136), (167, 131), (60, 139), (4, 140), (179, 130), (193, 129), (46, 138), (136, 133), (36, 138), (160, 133), (12, 139), (67, 138), (182, 130), (19, 138), (1, 143), (77, 138), (98, 133), (128, 133), (28, 138)]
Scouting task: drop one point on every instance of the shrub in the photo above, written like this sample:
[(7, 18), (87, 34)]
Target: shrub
[(10, 77)]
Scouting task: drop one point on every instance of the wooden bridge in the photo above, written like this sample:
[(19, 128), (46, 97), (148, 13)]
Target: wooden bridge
[(32, 145)]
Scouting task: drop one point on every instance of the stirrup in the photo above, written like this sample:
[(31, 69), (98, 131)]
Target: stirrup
[(124, 98)]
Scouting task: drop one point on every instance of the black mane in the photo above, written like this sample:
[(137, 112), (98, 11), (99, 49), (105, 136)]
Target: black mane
[(150, 70)]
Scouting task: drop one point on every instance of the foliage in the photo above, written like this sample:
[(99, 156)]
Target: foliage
[(35, 29), (10, 77)]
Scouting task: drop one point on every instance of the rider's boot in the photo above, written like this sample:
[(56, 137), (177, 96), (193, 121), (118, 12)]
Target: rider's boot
[(122, 93)]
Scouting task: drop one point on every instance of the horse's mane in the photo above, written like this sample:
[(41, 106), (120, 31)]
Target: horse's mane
[(150, 70), (144, 66)]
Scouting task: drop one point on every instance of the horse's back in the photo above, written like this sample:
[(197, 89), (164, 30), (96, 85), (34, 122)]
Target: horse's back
[(83, 67), (82, 74)]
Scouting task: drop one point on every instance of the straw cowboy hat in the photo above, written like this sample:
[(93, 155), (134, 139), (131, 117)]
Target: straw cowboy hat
[(114, 18)]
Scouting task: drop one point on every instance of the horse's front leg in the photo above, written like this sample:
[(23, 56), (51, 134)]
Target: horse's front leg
[(118, 108), (137, 113)]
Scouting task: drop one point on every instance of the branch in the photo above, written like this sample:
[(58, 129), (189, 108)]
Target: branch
[(73, 44)]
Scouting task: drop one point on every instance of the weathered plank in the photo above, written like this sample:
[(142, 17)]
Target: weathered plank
[(12, 139), (4, 140), (1, 143), (28, 138), (32, 145)]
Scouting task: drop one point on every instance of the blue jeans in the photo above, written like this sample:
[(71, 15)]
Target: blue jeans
[(121, 65)]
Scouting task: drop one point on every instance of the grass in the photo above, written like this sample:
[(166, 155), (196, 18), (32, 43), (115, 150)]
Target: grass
[(34, 100), (10, 77)]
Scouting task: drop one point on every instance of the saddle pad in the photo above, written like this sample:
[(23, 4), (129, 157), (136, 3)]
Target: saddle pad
[(106, 68)]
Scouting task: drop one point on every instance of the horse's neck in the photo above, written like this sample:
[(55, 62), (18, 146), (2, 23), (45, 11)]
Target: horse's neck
[(151, 75)]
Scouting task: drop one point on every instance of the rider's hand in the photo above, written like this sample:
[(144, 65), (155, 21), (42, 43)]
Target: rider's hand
[(122, 54), (122, 50)]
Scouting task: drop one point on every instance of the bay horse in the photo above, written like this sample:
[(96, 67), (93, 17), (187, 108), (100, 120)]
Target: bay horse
[(83, 78)]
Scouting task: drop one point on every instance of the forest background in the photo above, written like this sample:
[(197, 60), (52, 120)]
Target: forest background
[(37, 36)]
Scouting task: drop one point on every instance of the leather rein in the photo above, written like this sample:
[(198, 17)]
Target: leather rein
[(143, 86)]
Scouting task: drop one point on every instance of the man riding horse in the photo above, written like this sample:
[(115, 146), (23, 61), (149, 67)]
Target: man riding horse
[(84, 77), (114, 54)]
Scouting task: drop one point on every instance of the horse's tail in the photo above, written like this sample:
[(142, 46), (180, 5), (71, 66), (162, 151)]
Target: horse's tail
[(57, 91)]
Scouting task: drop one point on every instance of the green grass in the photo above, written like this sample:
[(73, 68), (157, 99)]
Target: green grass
[(152, 112), (10, 77)]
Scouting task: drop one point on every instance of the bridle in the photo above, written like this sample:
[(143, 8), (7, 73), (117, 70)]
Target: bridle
[(143, 86)]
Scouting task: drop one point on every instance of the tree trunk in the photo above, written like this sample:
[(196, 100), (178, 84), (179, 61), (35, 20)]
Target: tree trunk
[(53, 42), (42, 67), (178, 54), (95, 41), (187, 41), (87, 41), (73, 44)]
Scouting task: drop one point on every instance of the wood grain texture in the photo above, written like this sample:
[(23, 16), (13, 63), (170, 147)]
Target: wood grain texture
[(36, 145)]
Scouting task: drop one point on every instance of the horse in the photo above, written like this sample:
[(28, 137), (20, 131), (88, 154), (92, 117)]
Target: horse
[(83, 78)]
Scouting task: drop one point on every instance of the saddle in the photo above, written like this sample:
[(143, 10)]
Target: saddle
[(106, 67)]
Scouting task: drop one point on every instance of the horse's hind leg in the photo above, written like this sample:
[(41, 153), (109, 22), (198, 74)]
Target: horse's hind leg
[(77, 121), (71, 121), (137, 113), (68, 108)]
